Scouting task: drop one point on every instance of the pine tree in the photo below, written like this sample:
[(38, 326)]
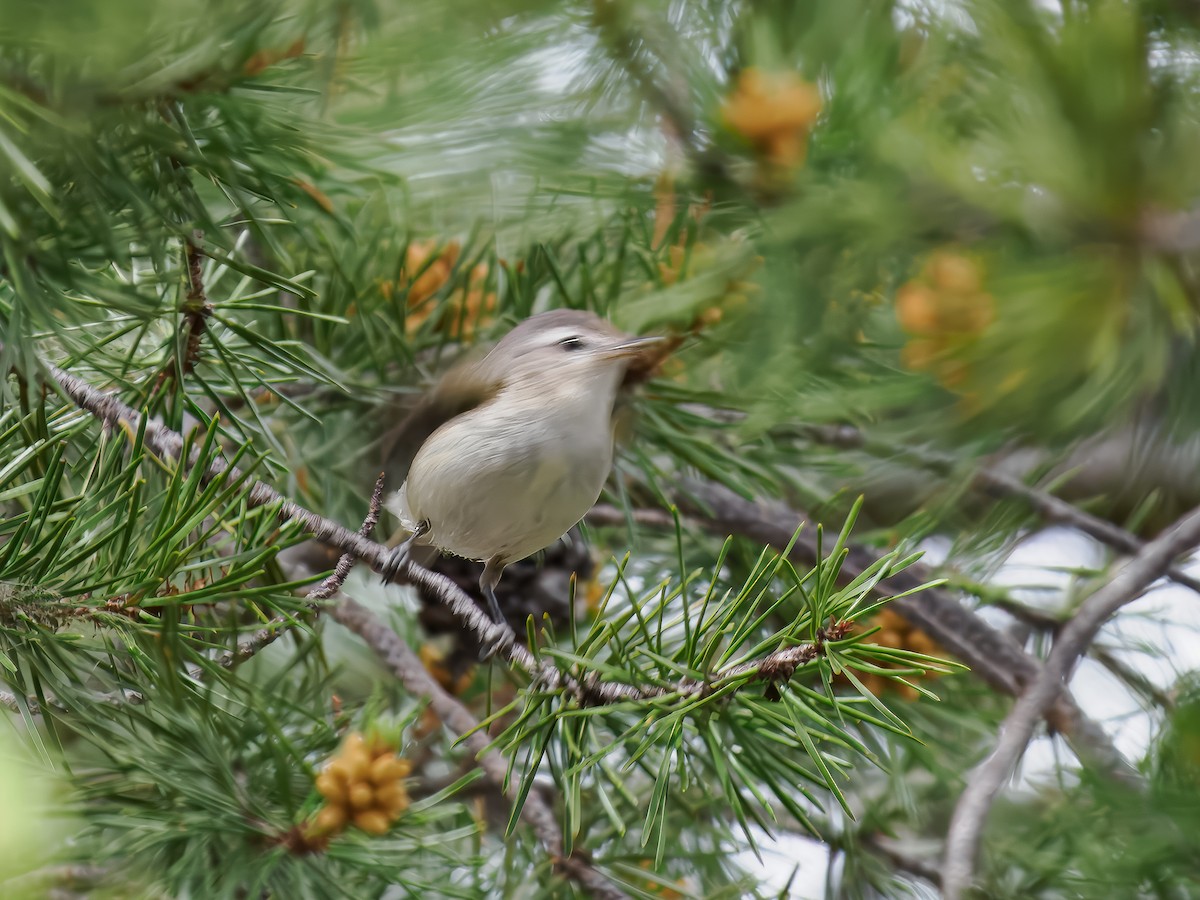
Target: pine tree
[(927, 277)]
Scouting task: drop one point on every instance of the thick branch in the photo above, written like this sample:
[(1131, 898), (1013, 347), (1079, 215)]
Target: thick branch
[(407, 667), (997, 484), (1128, 584)]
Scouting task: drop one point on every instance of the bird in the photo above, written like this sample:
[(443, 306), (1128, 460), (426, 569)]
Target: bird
[(519, 446)]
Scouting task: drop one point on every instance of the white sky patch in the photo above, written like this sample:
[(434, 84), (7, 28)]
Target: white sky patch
[(780, 857)]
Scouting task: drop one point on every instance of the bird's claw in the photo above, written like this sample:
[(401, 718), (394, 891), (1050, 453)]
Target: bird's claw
[(395, 561), (398, 558), (497, 645)]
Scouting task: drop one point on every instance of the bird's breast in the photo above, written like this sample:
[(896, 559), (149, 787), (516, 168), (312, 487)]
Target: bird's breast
[(507, 483)]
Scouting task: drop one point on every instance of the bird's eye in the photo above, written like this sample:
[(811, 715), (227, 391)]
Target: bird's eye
[(571, 344)]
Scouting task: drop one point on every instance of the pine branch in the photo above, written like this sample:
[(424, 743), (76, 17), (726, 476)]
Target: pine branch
[(588, 690), (991, 654), (280, 625), (997, 658), (111, 698), (999, 485), (407, 667), (966, 825), (672, 102)]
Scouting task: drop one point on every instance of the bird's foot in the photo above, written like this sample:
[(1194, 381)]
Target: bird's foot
[(494, 607), (492, 647), (398, 558), (498, 645)]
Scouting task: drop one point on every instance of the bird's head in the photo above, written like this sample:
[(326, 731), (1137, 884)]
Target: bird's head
[(566, 345)]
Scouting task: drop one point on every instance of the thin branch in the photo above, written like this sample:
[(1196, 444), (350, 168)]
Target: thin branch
[(1051, 624), (42, 881), (406, 666), (1034, 618), (605, 514), (1000, 485), (196, 308), (1168, 231), (196, 311), (882, 846), (1053, 509), (1129, 583), (280, 625), (341, 572), (673, 105), (12, 702), (1136, 681)]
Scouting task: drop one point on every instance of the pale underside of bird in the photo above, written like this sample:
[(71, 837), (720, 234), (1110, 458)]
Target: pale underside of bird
[(523, 447)]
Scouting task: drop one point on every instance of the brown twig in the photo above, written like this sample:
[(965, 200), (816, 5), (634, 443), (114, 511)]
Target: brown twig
[(1129, 583), (195, 309), (406, 666)]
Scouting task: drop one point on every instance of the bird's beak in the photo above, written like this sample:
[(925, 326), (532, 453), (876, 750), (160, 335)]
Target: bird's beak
[(629, 347)]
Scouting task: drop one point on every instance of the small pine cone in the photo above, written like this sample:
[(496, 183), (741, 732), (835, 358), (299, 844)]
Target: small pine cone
[(361, 796), (392, 799), (372, 821), (331, 819), (388, 770), (338, 770), (954, 273), (331, 787), (357, 765)]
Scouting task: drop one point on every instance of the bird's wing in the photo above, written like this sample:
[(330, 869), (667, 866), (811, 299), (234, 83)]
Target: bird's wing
[(466, 386)]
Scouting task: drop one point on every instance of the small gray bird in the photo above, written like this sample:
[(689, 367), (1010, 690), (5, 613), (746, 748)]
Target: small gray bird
[(524, 446)]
